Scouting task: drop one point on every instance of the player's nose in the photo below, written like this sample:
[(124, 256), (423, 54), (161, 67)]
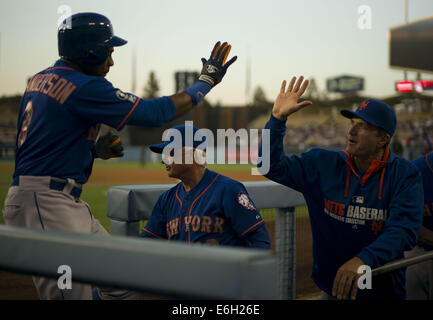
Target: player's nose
[(352, 130), (110, 61)]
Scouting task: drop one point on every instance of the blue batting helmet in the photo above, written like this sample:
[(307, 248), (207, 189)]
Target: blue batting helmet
[(83, 37)]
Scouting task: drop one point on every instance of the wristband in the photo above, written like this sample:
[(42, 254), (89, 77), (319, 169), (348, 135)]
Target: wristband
[(197, 91)]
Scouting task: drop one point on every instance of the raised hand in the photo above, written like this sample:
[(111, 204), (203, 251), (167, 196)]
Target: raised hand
[(215, 68), (286, 102)]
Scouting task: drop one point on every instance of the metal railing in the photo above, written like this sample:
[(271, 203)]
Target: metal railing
[(402, 263)]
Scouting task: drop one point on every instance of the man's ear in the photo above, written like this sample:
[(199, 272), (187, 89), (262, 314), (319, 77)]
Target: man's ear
[(384, 140)]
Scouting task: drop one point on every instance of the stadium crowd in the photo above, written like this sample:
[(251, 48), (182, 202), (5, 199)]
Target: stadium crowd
[(411, 138)]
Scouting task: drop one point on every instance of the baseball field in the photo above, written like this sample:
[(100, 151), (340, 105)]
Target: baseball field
[(113, 173)]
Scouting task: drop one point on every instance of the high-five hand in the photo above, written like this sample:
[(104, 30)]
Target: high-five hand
[(287, 101)]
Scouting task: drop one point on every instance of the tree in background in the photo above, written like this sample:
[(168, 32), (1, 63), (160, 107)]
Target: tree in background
[(151, 89), (259, 98)]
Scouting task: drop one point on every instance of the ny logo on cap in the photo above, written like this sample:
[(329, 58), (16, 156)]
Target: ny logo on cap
[(364, 105)]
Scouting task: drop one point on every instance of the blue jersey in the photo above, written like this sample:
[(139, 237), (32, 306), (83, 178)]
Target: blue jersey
[(217, 211), (60, 115), (425, 165), (375, 215)]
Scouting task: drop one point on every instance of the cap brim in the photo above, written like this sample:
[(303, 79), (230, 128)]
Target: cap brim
[(157, 148), (351, 114), (348, 114), (115, 41)]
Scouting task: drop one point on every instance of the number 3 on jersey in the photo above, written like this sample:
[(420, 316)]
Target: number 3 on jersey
[(26, 123)]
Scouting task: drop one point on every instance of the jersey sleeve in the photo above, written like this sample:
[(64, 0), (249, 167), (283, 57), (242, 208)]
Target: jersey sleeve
[(294, 172), (244, 216), (156, 226), (99, 101)]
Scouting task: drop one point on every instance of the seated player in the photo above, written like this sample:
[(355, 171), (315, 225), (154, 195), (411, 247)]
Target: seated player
[(205, 207)]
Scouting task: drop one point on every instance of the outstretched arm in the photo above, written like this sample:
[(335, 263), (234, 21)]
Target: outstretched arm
[(212, 73)]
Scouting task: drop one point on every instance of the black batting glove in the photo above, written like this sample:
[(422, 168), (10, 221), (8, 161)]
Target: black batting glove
[(108, 146), (215, 68)]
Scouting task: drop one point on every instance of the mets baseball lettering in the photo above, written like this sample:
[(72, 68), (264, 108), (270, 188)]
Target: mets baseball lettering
[(65, 280), (356, 214)]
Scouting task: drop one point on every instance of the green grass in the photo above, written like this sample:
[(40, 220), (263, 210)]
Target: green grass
[(95, 196)]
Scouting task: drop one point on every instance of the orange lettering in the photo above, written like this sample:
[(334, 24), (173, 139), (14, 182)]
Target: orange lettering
[(195, 223), (205, 224), (57, 87), (187, 223), (66, 92), (218, 226)]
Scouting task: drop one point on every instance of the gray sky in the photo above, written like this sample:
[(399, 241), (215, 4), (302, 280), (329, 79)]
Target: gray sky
[(280, 38)]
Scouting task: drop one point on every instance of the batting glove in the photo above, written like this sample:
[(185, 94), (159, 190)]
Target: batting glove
[(215, 68), (108, 146)]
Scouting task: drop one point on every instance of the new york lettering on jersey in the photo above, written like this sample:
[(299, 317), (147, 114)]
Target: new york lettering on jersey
[(217, 211)]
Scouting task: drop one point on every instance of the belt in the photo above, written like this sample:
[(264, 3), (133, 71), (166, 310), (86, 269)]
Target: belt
[(56, 184)]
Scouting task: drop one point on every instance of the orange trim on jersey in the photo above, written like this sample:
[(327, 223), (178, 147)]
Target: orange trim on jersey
[(381, 184), (127, 116), (153, 234), (178, 199), (428, 164), (346, 190), (192, 205), (375, 165), (246, 231), (66, 68)]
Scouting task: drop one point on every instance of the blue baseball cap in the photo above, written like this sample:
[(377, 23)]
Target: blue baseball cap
[(375, 113), (181, 136)]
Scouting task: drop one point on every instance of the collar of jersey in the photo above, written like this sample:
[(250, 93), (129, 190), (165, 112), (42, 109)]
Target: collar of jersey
[(60, 64), (205, 180), (375, 165)]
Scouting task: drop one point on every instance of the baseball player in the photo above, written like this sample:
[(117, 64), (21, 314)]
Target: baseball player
[(419, 277), (205, 207), (58, 124), (365, 203)]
